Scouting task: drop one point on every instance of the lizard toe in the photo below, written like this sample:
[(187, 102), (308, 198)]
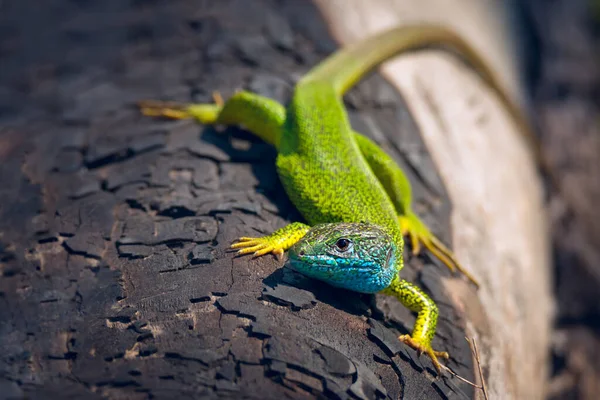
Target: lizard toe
[(422, 346), (420, 236), (258, 246)]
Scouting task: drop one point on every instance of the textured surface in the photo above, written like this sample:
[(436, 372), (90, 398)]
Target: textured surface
[(116, 281), (355, 256)]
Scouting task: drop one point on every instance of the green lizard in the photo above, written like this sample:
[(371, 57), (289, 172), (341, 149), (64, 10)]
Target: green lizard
[(354, 197)]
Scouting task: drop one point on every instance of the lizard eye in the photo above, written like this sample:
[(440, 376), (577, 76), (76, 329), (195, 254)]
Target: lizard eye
[(343, 244)]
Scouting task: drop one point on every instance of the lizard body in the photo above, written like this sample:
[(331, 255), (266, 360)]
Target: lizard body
[(355, 199)]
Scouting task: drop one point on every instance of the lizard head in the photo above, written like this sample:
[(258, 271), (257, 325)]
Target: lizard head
[(356, 256)]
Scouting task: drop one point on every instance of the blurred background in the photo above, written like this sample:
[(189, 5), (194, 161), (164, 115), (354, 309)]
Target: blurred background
[(564, 83), (53, 52)]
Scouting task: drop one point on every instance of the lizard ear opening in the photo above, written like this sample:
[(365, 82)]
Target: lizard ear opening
[(390, 260)]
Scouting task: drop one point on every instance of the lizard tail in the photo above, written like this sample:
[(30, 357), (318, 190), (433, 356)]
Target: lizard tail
[(344, 68)]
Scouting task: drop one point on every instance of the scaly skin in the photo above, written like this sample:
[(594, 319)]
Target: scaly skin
[(364, 262), (344, 185)]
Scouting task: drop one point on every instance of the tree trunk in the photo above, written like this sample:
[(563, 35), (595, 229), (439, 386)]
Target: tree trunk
[(114, 228)]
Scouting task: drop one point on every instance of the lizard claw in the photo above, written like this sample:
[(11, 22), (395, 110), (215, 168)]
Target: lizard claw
[(276, 243), (422, 347), (218, 99)]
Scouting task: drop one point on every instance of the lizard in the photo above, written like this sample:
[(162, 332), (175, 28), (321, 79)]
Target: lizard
[(356, 200)]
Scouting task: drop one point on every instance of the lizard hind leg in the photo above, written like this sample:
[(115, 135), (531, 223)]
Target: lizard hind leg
[(419, 235), (260, 115), (276, 243), (425, 348)]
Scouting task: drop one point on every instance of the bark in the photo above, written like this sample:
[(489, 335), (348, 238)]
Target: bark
[(114, 228)]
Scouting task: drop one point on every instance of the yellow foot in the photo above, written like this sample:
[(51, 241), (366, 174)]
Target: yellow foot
[(275, 243), (153, 108), (260, 246), (419, 234), (203, 113), (218, 99), (425, 348)]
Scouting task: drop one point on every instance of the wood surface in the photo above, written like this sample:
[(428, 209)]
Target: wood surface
[(114, 228)]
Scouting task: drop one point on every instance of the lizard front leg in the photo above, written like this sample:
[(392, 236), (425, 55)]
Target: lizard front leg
[(275, 243), (398, 187), (413, 298)]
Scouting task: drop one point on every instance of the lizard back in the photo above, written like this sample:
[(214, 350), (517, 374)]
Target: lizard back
[(321, 167)]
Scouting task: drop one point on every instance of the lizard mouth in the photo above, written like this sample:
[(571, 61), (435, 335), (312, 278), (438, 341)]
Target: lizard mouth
[(305, 264), (364, 279)]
